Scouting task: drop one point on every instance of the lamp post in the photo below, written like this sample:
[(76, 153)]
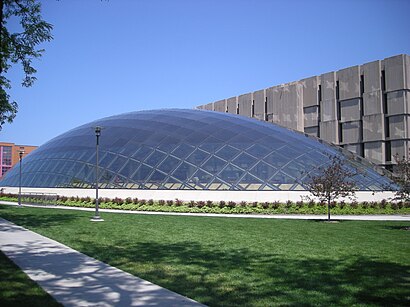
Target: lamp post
[(96, 217), (21, 153)]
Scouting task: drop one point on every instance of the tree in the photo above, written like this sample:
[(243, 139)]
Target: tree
[(19, 47), (402, 177), (331, 182)]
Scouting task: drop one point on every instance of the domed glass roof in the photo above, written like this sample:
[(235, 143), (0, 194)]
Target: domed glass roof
[(183, 149)]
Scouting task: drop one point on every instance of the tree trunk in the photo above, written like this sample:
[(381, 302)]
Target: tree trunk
[(328, 210)]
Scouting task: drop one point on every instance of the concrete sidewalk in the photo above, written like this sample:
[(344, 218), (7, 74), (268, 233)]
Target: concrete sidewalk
[(75, 279), (380, 217)]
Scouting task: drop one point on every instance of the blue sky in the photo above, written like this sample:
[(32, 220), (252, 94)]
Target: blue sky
[(111, 57)]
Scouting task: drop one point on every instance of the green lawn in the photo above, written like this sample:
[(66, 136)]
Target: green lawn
[(17, 289), (237, 261)]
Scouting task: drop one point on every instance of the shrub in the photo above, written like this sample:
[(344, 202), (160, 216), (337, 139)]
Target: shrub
[(394, 206), (265, 205), (365, 205), (161, 202), (128, 200), (178, 202), (383, 204), (243, 204), (374, 205), (288, 204), (142, 202), (354, 204), (191, 204), (135, 201), (118, 201), (275, 205), (342, 204), (231, 204), (170, 202), (254, 204), (311, 203), (299, 204), (222, 204), (150, 202), (200, 204), (209, 203)]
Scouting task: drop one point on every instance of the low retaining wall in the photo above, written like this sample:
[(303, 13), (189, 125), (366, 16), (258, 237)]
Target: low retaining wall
[(186, 195)]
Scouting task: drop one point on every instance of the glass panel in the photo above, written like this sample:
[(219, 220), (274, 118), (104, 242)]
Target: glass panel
[(129, 168), (276, 159), (142, 173), (258, 151), (231, 173), (263, 171), (214, 165), (244, 161), (118, 163), (183, 151), (227, 153), (155, 158), (169, 164), (197, 157), (142, 153), (183, 172)]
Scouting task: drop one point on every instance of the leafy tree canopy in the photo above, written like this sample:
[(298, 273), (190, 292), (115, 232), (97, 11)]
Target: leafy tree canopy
[(19, 47)]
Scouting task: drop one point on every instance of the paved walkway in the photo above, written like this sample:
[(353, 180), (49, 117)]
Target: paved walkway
[(381, 217), (75, 279)]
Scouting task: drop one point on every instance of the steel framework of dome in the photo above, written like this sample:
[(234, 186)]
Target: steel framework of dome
[(183, 149)]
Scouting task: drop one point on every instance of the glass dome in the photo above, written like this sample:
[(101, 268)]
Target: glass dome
[(183, 149)]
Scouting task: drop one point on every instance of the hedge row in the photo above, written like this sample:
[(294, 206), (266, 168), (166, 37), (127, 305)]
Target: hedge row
[(300, 207)]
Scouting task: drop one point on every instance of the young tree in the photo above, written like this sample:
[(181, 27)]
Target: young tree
[(20, 47), (402, 177), (333, 181)]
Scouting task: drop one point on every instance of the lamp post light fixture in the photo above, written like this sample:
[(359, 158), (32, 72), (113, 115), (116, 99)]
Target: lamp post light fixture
[(96, 217), (21, 153)]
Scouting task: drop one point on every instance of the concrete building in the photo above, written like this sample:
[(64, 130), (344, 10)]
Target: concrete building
[(9, 155), (363, 108)]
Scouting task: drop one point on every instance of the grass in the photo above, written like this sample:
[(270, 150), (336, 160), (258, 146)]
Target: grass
[(17, 289), (243, 262)]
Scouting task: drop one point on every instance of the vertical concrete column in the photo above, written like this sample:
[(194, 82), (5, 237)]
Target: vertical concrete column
[(245, 104), (329, 126), (232, 105), (220, 106), (259, 99), (311, 108)]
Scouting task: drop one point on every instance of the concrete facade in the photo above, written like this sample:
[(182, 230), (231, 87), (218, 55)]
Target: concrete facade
[(363, 108)]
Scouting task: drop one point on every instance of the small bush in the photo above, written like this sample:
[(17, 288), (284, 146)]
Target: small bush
[(161, 202), (299, 204), (222, 204), (374, 205), (383, 204), (142, 201), (354, 204), (231, 204), (170, 202), (200, 204), (135, 201), (311, 203), (128, 200), (342, 204), (243, 204), (288, 204), (191, 204), (150, 202), (118, 201), (394, 206), (209, 203), (265, 205), (178, 202), (255, 204), (275, 205), (365, 205)]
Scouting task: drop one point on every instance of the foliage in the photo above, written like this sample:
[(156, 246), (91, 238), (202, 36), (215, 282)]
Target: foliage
[(300, 207), (20, 47), (242, 262), (402, 177), (333, 181)]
